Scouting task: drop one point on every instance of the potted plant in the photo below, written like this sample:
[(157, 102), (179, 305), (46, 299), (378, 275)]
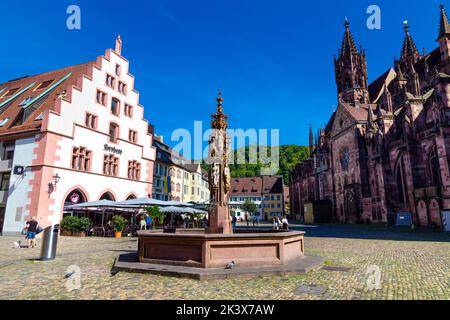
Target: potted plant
[(82, 226), (118, 225), (75, 226), (68, 225)]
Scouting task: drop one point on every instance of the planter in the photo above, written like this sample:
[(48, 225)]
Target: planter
[(117, 234), (67, 233)]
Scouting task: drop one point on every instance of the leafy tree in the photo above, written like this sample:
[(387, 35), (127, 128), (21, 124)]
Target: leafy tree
[(156, 214), (289, 157), (249, 206)]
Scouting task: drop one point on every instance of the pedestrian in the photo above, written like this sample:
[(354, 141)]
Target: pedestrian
[(142, 223), (275, 223), (278, 222), (285, 223), (31, 226), (234, 221), (254, 220), (148, 221), (246, 219)]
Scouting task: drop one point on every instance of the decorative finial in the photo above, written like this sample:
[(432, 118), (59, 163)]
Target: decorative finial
[(346, 23), (406, 26), (219, 99), (118, 45)]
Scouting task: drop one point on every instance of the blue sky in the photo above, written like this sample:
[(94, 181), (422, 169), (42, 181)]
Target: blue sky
[(273, 60)]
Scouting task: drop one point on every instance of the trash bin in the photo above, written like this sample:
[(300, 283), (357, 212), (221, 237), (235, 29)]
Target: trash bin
[(49, 242)]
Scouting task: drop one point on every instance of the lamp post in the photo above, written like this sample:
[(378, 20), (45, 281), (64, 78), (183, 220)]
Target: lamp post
[(52, 185)]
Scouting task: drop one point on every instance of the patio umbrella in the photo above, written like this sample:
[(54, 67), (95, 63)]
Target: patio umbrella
[(103, 204), (93, 204), (177, 203), (140, 203), (175, 209)]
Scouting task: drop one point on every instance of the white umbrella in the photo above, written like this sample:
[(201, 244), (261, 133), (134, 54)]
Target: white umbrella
[(103, 204), (174, 209), (141, 202), (178, 203), (93, 204)]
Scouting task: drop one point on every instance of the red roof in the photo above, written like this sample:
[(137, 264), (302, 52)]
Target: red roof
[(246, 186), (23, 100), (272, 184)]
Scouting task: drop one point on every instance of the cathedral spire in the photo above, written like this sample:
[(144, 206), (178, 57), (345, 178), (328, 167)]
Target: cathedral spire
[(444, 36), (311, 141), (348, 44), (444, 26), (409, 49)]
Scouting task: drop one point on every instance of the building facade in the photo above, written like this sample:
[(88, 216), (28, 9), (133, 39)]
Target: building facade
[(386, 149), (72, 135), (177, 178), (267, 192)]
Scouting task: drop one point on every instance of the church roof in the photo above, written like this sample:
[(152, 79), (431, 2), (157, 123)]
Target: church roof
[(376, 88), (359, 113), (23, 101), (329, 125)]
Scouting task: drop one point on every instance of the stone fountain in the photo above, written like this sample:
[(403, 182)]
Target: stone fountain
[(204, 253)]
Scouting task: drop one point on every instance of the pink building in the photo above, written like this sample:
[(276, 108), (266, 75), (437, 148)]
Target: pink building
[(72, 135), (386, 149)]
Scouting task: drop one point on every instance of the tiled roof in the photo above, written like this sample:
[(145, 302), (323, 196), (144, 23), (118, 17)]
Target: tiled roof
[(246, 186), (191, 167), (272, 184), (359, 113), (24, 100), (376, 88)]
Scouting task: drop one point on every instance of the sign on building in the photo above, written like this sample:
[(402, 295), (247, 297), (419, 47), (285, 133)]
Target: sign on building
[(404, 219)]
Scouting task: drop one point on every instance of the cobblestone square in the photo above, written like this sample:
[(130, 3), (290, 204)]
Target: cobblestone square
[(412, 265)]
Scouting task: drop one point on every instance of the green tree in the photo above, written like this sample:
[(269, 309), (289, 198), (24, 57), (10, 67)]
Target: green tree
[(156, 214), (249, 206), (289, 157)]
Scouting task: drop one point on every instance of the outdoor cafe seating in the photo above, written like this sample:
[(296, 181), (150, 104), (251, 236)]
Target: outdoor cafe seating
[(100, 213)]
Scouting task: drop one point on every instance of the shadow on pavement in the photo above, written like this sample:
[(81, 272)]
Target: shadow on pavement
[(374, 232)]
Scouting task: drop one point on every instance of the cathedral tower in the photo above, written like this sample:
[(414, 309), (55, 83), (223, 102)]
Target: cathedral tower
[(351, 71)]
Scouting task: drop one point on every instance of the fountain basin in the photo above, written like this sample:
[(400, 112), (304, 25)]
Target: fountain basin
[(246, 247)]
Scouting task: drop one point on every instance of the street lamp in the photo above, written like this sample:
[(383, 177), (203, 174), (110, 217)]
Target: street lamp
[(52, 185)]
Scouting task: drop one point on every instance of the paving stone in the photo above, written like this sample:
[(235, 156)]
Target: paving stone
[(408, 269), (311, 289)]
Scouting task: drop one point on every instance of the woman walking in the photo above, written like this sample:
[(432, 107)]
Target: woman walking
[(32, 226)]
